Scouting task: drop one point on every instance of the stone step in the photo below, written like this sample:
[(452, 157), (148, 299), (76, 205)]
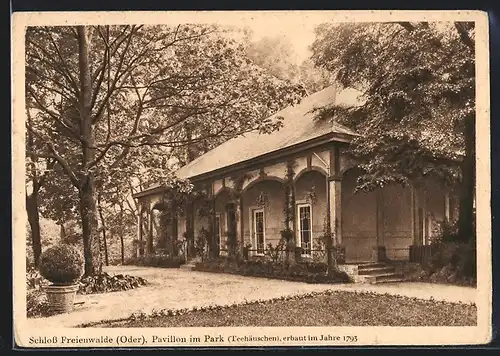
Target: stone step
[(376, 270), (384, 278), (390, 280), (368, 265)]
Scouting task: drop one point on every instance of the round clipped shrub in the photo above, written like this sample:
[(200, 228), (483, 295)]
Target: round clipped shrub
[(61, 264)]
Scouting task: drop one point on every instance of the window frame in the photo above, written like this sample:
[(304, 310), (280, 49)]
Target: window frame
[(254, 230), (299, 231)]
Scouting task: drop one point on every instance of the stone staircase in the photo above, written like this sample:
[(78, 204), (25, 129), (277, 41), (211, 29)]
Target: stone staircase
[(372, 272)]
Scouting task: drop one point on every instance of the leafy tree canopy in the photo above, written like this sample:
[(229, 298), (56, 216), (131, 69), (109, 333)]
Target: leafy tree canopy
[(416, 83)]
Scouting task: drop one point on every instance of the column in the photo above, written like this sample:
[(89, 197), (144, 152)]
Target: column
[(447, 209), (239, 223), (139, 251), (214, 248), (149, 247), (413, 219), (190, 229), (335, 196)]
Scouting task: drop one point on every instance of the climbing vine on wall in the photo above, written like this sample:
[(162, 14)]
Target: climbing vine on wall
[(238, 181), (289, 209), (311, 195), (262, 200)]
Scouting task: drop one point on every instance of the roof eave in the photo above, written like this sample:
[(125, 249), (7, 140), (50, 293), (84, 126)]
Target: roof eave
[(150, 191), (285, 151)]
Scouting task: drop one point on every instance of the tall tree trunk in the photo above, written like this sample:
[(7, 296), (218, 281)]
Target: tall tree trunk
[(90, 232), (86, 190), (103, 227), (32, 200), (122, 245), (466, 223), (62, 231), (34, 221)]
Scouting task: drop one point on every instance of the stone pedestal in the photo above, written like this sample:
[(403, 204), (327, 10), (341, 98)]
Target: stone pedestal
[(379, 254), (297, 254), (340, 254)]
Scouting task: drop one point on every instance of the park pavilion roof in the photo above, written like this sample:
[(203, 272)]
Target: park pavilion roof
[(299, 127)]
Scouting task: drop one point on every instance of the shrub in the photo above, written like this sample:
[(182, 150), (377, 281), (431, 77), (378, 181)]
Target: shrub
[(33, 279), (459, 256), (103, 283), (450, 262), (275, 252), (163, 261), (201, 243), (310, 272), (61, 264), (37, 304), (316, 267)]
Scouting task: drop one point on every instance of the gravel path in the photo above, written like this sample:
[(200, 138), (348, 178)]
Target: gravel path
[(182, 288)]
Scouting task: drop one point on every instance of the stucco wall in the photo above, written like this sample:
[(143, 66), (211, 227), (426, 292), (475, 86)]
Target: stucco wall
[(300, 165), (221, 201), (345, 161), (277, 170), (273, 212), (325, 158), (303, 185), (199, 221), (397, 211), (217, 186), (388, 213), (359, 220)]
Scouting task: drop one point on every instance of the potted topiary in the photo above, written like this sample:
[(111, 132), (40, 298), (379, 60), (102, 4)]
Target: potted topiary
[(62, 265)]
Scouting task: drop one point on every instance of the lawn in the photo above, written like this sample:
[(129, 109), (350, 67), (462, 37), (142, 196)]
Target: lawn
[(336, 308)]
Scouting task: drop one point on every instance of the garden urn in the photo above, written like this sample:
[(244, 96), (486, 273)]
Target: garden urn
[(62, 265)]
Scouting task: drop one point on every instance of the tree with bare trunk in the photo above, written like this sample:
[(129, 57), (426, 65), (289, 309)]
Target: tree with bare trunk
[(104, 94)]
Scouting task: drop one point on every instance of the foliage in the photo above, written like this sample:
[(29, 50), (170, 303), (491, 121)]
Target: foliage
[(231, 242), (262, 200), (36, 301), (416, 85), (416, 108), (61, 264), (289, 209), (459, 258), (326, 308), (153, 98), (105, 283), (202, 243), (309, 272), (37, 304), (275, 253), (238, 181), (275, 54), (449, 262), (445, 231), (156, 260), (34, 279), (287, 236)]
